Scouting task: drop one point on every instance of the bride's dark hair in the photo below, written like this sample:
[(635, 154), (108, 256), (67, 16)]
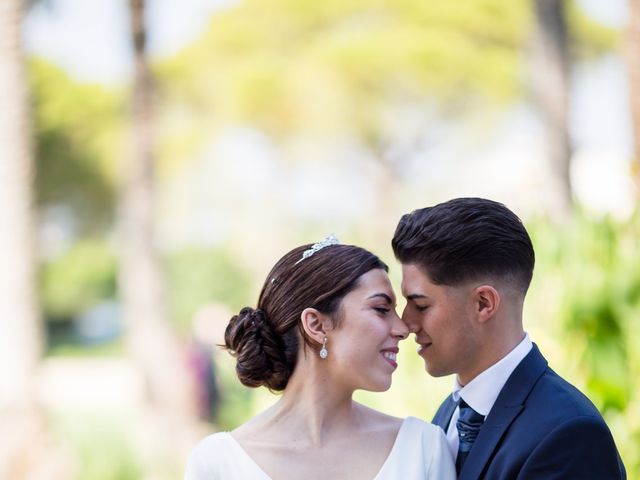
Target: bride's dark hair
[(265, 339)]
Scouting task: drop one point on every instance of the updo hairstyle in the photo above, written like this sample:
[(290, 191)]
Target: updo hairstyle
[(265, 340)]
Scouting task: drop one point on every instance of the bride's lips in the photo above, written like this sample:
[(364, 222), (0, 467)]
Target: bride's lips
[(389, 354)]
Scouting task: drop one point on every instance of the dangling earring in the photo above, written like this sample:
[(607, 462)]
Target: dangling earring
[(323, 351)]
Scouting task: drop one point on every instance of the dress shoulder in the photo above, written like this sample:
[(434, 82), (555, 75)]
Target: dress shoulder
[(221, 457), (418, 425), (420, 452), (207, 458)]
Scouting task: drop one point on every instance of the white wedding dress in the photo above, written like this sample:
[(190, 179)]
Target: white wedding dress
[(419, 452)]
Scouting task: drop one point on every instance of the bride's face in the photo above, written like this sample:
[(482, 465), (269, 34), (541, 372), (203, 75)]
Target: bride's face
[(363, 348)]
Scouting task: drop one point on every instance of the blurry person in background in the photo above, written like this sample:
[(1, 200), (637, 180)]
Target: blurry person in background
[(206, 334), (325, 325), (466, 267)]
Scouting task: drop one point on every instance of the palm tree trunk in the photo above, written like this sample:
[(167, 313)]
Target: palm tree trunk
[(20, 335), (141, 284), (167, 423), (633, 74), (21, 426), (550, 66)]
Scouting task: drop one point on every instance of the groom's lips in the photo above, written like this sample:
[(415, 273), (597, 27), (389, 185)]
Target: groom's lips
[(422, 347)]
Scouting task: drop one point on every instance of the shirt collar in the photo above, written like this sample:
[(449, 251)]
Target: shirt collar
[(481, 392)]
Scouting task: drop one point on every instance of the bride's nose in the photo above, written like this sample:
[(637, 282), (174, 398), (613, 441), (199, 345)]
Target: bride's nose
[(398, 328)]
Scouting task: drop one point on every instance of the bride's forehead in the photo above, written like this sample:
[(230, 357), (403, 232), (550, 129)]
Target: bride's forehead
[(372, 283)]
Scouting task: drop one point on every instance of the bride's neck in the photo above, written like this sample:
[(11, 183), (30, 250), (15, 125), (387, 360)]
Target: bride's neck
[(315, 406)]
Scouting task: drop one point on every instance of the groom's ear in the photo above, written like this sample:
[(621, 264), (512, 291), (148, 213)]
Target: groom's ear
[(486, 301), (315, 324)]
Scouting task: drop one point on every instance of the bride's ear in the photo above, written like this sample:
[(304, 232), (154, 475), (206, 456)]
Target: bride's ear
[(315, 324)]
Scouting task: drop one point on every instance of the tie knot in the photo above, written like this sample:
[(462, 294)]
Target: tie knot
[(469, 423), (469, 415)]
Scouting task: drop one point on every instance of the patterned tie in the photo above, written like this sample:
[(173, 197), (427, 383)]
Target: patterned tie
[(468, 425)]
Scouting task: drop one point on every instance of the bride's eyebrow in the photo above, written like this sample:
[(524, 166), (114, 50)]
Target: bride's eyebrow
[(381, 295)]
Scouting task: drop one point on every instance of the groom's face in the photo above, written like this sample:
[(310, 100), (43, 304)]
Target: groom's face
[(441, 316)]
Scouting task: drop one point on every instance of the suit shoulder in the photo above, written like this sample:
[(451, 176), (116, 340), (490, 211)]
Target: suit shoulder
[(556, 394), (592, 452)]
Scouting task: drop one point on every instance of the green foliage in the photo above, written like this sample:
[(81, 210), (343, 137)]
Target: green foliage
[(338, 66), (601, 274), (588, 296), (81, 277), (201, 275), (64, 346), (291, 65), (587, 37), (101, 443), (76, 127)]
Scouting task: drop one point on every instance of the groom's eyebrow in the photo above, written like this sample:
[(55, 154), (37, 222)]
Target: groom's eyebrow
[(415, 296)]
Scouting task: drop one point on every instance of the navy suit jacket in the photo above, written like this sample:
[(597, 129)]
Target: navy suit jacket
[(540, 427)]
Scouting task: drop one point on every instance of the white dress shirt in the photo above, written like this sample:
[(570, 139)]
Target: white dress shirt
[(481, 392)]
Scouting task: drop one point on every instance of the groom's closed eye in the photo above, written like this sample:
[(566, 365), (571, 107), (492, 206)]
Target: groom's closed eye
[(382, 310)]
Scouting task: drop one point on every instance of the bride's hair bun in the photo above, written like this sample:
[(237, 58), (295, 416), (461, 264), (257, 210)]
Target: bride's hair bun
[(260, 352)]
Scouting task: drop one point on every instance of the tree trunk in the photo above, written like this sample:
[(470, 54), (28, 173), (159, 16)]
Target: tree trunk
[(141, 285), (550, 65), (21, 426), (632, 55), (166, 425)]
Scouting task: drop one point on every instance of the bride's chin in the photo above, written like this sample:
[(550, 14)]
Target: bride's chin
[(380, 386)]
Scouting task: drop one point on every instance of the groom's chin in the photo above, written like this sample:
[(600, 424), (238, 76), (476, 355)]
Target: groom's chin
[(434, 371)]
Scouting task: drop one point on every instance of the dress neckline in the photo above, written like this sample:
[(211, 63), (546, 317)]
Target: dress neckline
[(240, 449)]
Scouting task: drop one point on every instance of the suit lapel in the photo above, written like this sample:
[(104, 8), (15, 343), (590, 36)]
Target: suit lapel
[(508, 405), (444, 413)]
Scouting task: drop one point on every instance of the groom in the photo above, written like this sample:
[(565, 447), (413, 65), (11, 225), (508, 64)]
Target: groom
[(466, 267)]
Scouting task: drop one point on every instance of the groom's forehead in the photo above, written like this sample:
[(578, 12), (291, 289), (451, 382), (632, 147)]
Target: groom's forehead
[(415, 272), (414, 280)]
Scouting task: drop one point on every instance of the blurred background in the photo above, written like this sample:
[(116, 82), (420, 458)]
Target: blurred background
[(158, 157)]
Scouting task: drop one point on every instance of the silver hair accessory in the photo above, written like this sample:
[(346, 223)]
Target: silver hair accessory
[(330, 240)]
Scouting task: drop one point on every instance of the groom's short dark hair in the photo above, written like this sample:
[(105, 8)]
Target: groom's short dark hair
[(466, 239)]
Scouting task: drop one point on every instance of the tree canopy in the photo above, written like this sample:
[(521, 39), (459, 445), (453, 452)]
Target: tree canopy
[(336, 66)]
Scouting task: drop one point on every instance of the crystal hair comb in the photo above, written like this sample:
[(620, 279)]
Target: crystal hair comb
[(330, 240)]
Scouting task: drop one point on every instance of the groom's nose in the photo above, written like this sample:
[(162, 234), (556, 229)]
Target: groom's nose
[(412, 324)]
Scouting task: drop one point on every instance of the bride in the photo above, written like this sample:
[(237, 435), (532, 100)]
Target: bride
[(325, 325)]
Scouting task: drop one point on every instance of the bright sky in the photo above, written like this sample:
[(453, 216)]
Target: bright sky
[(90, 38), (613, 13)]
